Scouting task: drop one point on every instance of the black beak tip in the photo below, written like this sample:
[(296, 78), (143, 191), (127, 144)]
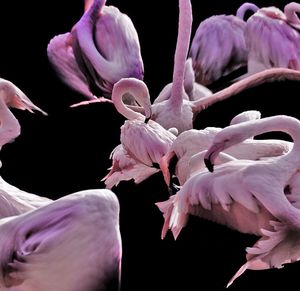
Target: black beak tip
[(147, 119), (209, 165)]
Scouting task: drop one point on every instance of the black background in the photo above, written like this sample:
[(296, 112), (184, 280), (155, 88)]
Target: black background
[(69, 150)]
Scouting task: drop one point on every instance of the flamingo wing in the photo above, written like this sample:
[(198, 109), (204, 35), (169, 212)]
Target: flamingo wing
[(78, 233), (218, 48), (276, 247), (61, 56), (146, 142), (125, 168)]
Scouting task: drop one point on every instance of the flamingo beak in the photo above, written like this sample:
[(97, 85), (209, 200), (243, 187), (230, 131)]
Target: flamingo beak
[(211, 155), (209, 165)]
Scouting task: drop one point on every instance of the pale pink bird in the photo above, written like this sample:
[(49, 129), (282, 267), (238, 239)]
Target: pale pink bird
[(174, 97), (258, 197), (194, 141), (219, 47), (173, 108), (142, 139), (271, 39), (72, 244), (12, 96), (102, 48)]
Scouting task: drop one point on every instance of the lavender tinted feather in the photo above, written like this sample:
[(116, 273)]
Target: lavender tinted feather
[(86, 55), (271, 41), (218, 48)]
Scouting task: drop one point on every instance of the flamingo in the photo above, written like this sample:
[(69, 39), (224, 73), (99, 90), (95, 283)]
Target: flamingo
[(13, 200), (142, 139), (193, 141), (12, 96), (175, 111), (72, 244), (172, 99), (267, 75), (125, 167), (218, 47), (172, 108), (258, 197), (179, 109), (272, 39), (102, 48)]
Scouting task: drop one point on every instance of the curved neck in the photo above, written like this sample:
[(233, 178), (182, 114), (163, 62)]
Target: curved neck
[(290, 12), (256, 79), (9, 125), (83, 32), (182, 47), (282, 123), (140, 93), (244, 8)]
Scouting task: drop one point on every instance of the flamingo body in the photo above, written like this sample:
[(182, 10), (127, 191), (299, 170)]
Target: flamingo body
[(102, 48), (71, 244), (218, 48), (259, 197), (271, 40)]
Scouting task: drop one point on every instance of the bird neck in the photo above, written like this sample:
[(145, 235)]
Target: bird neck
[(137, 89), (290, 11), (182, 46), (256, 79), (83, 32), (283, 123), (244, 8)]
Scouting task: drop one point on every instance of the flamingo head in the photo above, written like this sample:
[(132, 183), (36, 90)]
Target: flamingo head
[(224, 139)]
